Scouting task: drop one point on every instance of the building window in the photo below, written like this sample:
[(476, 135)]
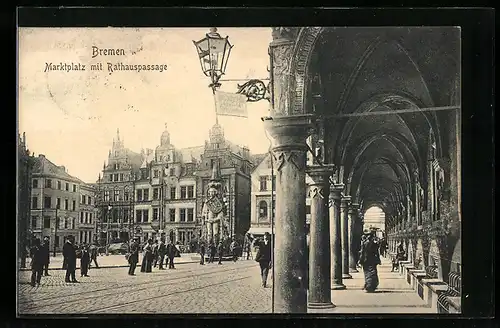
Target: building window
[(182, 237), (111, 177), (138, 216), (155, 193), (155, 214), (263, 183), (90, 217), (115, 167), (46, 222), (34, 202), (139, 195), (66, 204), (74, 188), (106, 196), (183, 215), (74, 205), (66, 223), (89, 200), (146, 194), (84, 199), (171, 214), (183, 192), (190, 215), (121, 176), (117, 195), (190, 191), (172, 171), (172, 193), (59, 185), (35, 183), (145, 215), (48, 183), (81, 217), (263, 210), (34, 220), (125, 196), (116, 176), (58, 203), (67, 186), (47, 202), (155, 173)]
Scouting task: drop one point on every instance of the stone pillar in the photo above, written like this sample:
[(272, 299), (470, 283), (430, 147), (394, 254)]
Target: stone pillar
[(344, 226), (320, 295), (290, 261), (353, 237), (336, 236)]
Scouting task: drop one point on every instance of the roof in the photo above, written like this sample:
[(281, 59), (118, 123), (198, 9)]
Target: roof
[(258, 158), (148, 158), (192, 152), (43, 166)]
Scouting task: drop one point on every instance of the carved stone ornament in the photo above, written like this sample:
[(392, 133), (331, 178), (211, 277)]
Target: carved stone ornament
[(281, 58), (285, 33), (317, 192), (289, 157)]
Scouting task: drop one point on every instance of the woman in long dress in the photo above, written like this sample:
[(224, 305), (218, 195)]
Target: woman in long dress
[(369, 259)]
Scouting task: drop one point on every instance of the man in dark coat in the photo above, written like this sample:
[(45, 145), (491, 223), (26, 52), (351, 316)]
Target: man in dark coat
[(84, 261), (69, 253), (264, 258), (37, 262), (93, 255), (46, 254), (133, 258), (171, 252), (220, 250), (162, 250), (202, 253), (213, 251)]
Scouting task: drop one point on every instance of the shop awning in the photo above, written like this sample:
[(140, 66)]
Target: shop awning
[(259, 230)]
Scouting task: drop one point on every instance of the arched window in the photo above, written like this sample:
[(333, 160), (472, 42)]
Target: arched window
[(263, 210)]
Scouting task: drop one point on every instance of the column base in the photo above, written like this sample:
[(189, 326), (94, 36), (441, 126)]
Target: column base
[(346, 276), (353, 270), (338, 286), (329, 305)]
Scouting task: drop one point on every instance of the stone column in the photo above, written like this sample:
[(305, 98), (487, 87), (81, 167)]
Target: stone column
[(290, 261), (344, 226), (320, 295), (336, 236), (353, 237)]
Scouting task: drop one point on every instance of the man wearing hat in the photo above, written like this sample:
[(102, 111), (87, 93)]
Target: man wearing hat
[(69, 253), (369, 259), (133, 258), (264, 258)]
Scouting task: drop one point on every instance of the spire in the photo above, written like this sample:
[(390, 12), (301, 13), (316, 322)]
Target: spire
[(118, 134), (104, 165)]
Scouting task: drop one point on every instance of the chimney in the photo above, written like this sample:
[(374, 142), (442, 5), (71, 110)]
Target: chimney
[(41, 156), (62, 167)]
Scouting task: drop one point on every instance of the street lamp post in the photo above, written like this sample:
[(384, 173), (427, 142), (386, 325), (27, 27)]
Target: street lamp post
[(55, 231)]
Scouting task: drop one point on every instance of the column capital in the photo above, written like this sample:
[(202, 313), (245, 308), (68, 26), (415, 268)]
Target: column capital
[(335, 190), (289, 132), (354, 208), (345, 200), (320, 174)]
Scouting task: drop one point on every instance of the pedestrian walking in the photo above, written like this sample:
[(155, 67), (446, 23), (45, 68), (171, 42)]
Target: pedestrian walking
[(69, 254), (172, 251), (94, 252), (212, 251), (84, 261), (162, 250), (400, 256), (202, 253), (220, 250), (45, 248), (133, 257), (369, 259), (233, 248), (147, 257), (155, 253), (263, 256), (37, 262)]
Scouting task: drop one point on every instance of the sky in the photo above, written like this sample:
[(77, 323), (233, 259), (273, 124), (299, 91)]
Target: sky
[(72, 117)]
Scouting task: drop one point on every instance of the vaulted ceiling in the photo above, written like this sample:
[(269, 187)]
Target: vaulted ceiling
[(370, 72)]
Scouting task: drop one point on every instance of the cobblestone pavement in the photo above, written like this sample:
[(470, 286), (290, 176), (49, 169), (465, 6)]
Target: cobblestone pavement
[(191, 288)]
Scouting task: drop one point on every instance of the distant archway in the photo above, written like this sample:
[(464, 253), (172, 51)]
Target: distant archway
[(374, 217)]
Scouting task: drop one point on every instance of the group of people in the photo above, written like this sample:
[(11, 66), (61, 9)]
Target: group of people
[(153, 255), (40, 259)]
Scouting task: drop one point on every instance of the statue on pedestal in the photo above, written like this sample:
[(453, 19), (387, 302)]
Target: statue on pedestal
[(215, 227)]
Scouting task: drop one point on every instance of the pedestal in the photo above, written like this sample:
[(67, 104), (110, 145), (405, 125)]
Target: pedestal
[(290, 261), (319, 248), (336, 239), (345, 236)]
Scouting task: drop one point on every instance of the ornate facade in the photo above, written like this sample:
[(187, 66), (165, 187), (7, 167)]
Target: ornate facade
[(349, 89), (24, 172)]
